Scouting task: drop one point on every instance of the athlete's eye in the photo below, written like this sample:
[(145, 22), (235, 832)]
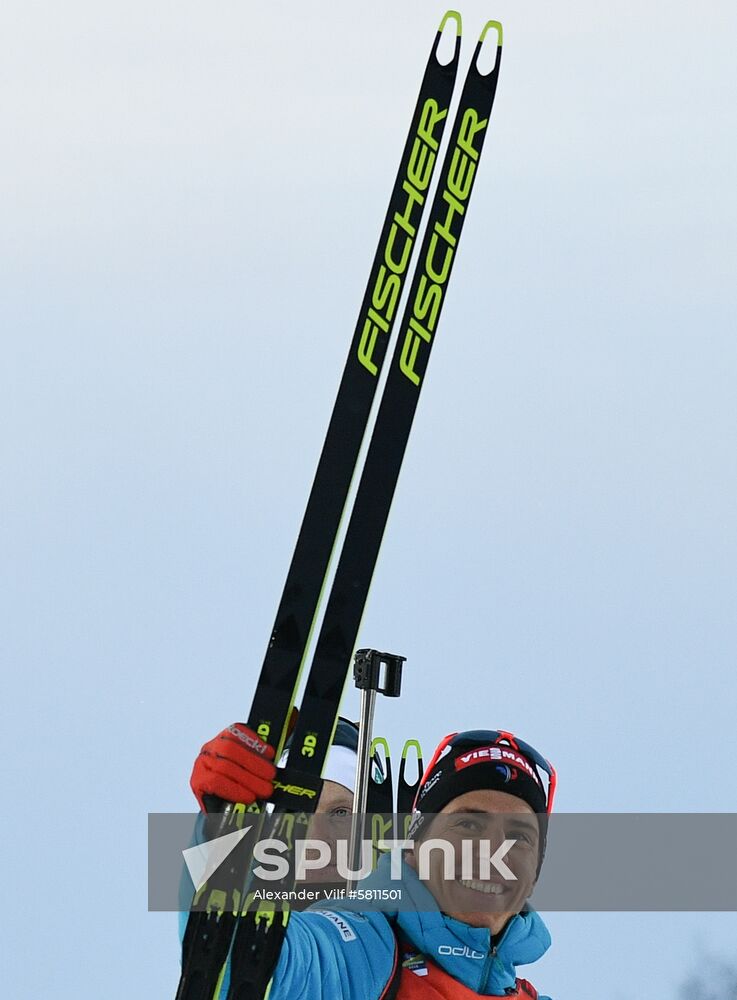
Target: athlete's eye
[(521, 835), (340, 812), (468, 824)]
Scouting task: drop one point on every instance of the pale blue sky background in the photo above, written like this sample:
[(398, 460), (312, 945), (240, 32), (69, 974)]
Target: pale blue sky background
[(191, 200)]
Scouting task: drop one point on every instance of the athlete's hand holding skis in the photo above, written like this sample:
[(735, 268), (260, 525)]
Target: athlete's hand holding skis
[(238, 766), (235, 766)]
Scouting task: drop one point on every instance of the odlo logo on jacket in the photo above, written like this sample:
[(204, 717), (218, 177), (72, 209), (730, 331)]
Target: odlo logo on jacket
[(461, 951)]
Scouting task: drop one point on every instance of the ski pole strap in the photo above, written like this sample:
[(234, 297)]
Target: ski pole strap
[(406, 790), (380, 797), (380, 804)]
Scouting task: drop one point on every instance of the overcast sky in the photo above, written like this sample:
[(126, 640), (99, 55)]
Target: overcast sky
[(191, 201)]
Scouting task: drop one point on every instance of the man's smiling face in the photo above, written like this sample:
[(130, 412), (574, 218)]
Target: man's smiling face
[(486, 899)]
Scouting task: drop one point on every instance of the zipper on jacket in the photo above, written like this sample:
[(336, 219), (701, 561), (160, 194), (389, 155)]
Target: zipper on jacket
[(491, 958), (488, 965)]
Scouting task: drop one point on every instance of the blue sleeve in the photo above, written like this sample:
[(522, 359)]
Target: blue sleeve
[(326, 954), (329, 954)]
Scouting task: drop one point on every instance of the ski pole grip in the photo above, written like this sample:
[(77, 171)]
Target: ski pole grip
[(369, 675)]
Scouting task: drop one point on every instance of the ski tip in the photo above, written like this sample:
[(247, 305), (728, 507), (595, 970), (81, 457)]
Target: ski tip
[(409, 745), (496, 26), (451, 15), (488, 56)]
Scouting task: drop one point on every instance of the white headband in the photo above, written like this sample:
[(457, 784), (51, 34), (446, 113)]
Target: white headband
[(339, 767)]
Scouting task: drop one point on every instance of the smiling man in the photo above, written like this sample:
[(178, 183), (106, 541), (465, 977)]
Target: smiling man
[(462, 925), (477, 888), (489, 791)]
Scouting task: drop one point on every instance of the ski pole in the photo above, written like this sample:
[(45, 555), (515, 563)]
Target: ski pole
[(370, 680)]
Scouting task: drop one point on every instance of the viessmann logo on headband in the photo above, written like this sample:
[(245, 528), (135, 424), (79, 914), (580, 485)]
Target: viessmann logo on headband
[(486, 755)]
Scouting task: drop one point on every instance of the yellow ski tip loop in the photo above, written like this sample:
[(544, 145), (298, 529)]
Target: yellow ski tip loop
[(451, 15), (487, 58), (497, 26), (448, 44)]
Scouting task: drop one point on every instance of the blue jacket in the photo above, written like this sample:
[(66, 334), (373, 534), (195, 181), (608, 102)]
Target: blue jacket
[(343, 954)]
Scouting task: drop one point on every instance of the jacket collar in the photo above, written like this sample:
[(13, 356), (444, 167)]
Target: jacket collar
[(468, 953)]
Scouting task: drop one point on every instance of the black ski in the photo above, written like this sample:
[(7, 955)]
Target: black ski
[(258, 936), (211, 923)]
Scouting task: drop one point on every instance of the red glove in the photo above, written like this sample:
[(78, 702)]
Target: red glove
[(236, 766)]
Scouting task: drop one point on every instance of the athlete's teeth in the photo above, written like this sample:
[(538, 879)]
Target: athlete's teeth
[(490, 888)]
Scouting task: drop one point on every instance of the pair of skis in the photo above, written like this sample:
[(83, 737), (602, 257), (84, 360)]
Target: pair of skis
[(219, 925)]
